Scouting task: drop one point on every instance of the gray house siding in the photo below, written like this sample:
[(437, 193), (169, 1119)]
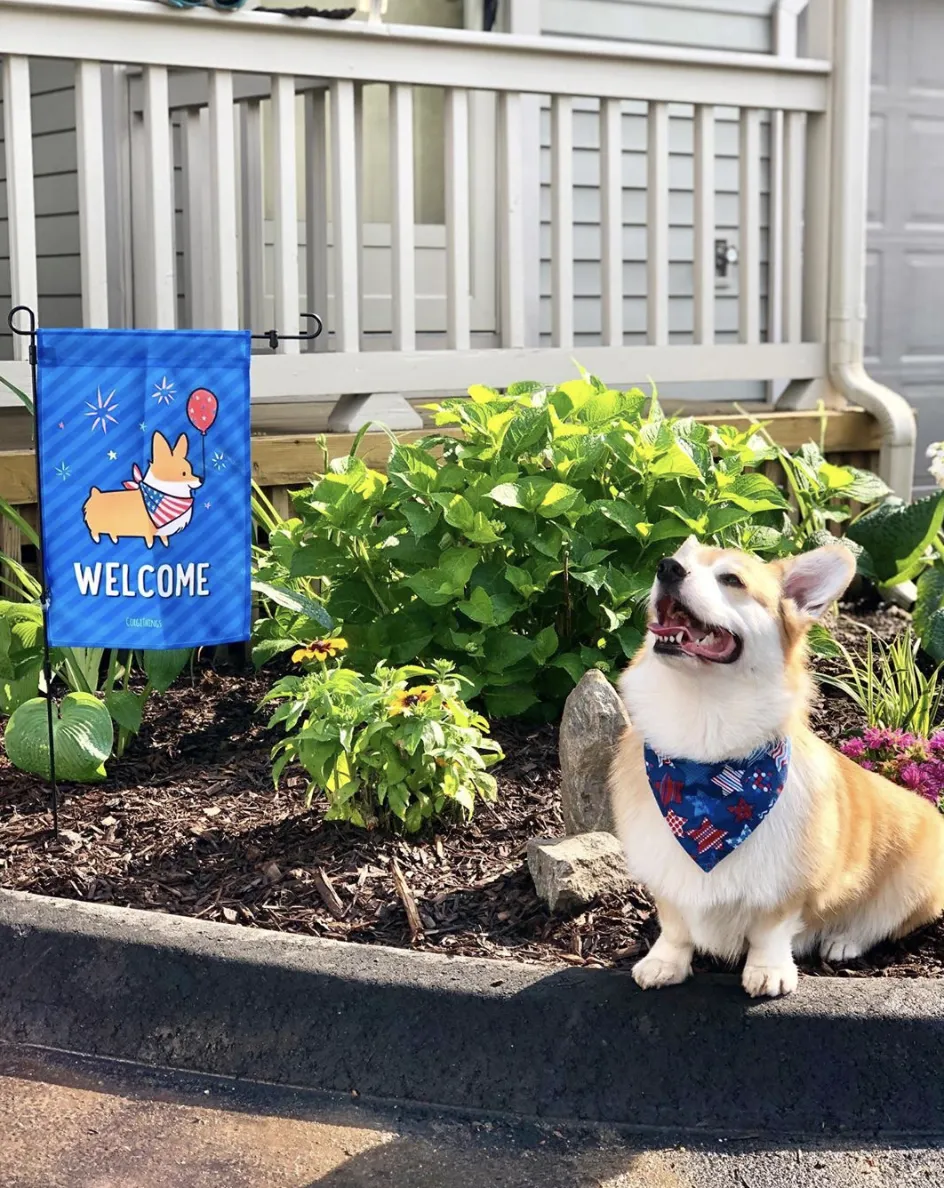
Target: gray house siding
[(730, 24)]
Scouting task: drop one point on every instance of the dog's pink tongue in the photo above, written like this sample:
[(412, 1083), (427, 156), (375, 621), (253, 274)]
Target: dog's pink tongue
[(717, 645)]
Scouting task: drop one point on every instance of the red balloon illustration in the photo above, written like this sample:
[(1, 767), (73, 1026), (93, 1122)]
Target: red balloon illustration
[(201, 409)]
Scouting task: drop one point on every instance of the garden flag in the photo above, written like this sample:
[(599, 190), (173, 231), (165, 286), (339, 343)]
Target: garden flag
[(143, 439)]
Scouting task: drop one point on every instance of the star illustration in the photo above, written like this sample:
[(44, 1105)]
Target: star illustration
[(741, 811), (62, 424), (143, 426), (63, 471), (218, 461), (208, 505), (102, 410), (112, 456), (164, 392)]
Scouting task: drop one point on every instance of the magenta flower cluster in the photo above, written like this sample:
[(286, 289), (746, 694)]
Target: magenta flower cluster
[(907, 759)]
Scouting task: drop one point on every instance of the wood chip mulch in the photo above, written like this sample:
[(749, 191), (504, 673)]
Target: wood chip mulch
[(188, 822)]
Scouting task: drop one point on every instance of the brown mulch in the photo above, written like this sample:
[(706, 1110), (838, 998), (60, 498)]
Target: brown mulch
[(188, 822)]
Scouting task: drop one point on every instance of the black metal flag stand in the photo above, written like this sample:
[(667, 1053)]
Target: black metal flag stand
[(272, 337)]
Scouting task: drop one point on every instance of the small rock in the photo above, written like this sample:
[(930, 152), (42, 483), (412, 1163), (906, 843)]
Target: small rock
[(571, 871), (272, 872), (594, 718)]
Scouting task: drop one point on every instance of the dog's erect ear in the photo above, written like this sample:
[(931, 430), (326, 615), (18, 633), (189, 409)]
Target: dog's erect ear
[(816, 579), (180, 449), (160, 446)]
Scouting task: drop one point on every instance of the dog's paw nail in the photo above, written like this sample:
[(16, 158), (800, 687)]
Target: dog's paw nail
[(769, 981), (652, 972)]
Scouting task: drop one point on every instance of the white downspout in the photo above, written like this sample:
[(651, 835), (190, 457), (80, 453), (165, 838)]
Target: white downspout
[(852, 55)]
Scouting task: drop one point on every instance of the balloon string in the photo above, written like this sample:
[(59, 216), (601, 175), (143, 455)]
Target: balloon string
[(203, 442)]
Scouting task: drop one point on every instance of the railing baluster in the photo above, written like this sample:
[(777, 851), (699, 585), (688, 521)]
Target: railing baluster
[(793, 226), (611, 219), (704, 224), (657, 231), (224, 274), (403, 218), (252, 184), (93, 227), (562, 219), (316, 206), (749, 218), (194, 140), (344, 217), (458, 222), (21, 203), (286, 210), (159, 199), (511, 221), (359, 202)]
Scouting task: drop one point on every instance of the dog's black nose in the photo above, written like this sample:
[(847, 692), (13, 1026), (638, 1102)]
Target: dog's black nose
[(670, 572)]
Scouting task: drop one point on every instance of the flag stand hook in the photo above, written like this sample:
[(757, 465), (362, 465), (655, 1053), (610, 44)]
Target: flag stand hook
[(272, 337), (30, 332)]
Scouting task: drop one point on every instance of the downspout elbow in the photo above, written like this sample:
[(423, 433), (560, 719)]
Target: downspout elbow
[(895, 417)]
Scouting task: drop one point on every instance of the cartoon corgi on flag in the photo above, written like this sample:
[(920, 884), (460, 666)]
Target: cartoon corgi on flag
[(152, 506)]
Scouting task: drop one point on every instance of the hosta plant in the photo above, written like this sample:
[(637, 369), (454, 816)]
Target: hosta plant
[(395, 747)]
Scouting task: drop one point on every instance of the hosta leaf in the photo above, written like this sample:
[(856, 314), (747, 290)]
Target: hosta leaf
[(163, 668), (896, 534), (83, 735), (929, 602), (125, 708)]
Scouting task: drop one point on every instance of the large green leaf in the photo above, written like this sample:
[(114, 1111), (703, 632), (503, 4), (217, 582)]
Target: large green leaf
[(126, 708), (321, 558), (754, 493), (929, 611), (896, 535), (509, 702), (163, 668), (291, 600), (82, 733)]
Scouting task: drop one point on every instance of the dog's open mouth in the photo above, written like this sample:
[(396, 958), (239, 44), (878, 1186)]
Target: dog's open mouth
[(679, 633)]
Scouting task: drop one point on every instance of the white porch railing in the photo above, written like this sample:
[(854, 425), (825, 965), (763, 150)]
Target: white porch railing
[(206, 75)]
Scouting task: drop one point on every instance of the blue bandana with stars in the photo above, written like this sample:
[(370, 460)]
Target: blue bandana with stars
[(712, 807)]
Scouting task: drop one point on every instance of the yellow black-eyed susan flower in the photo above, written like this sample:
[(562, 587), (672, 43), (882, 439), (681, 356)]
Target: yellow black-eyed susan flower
[(410, 699), (319, 649)]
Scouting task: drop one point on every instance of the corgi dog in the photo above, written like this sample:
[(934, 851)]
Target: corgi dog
[(153, 506), (754, 836)]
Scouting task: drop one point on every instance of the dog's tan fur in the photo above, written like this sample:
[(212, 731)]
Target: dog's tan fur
[(867, 855)]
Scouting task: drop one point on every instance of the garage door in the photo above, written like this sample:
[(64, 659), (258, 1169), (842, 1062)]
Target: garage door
[(905, 274)]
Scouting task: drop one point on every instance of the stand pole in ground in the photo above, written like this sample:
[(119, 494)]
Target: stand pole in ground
[(30, 332)]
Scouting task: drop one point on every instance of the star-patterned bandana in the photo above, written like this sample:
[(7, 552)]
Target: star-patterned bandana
[(712, 807)]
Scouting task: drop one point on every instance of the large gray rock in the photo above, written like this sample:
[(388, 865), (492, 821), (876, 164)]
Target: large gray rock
[(571, 871), (594, 718)]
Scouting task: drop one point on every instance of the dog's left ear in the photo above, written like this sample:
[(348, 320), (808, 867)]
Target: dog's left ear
[(180, 448), (816, 579)]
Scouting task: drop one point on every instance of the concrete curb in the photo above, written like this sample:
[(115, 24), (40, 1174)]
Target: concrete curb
[(840, 1055)]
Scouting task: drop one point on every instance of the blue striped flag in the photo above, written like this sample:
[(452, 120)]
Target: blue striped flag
[(143, 439)]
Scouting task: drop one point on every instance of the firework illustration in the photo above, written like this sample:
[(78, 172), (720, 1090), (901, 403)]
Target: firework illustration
[(164, 392), (219, 460), (102, 410), (63, 471)]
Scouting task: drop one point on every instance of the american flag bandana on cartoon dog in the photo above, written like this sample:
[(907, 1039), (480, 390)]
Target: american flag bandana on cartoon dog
[(712, 807)]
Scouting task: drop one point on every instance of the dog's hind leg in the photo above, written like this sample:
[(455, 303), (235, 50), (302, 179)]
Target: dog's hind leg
[(669, 961)]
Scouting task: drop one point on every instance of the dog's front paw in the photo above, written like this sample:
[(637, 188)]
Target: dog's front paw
[(769, 981), (653, 972)]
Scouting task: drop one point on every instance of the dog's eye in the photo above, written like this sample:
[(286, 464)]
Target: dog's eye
[(731, 579)]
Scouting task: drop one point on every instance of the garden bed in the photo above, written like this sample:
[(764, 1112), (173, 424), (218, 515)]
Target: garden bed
[(188, 823)]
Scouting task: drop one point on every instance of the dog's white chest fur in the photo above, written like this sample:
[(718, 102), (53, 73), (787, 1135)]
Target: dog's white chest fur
[(765, 870)]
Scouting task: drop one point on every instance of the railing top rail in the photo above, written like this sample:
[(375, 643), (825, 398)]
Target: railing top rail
[(145, 32)]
